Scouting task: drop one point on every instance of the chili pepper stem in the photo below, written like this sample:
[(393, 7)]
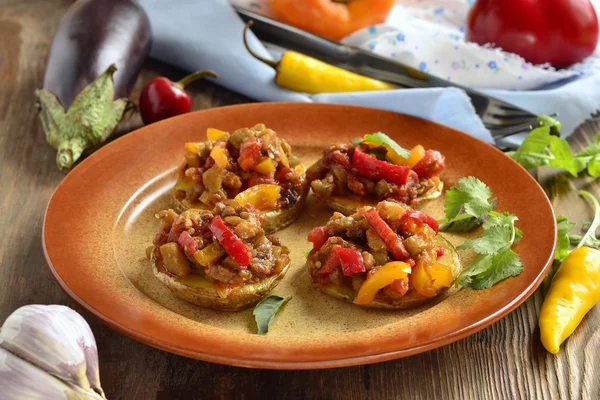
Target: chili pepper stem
[(270, 63), (195, 76), (595, 223)]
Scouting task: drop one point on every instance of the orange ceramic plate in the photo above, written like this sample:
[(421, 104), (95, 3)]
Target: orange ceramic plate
[(100, 220)]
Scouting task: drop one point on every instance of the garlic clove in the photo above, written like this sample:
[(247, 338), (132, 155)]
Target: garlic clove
[(22, 380), (56, 339)]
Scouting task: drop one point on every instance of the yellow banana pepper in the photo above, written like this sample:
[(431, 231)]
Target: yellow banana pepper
[(263, 196), (575, 289), (380, 279), (305, 74)]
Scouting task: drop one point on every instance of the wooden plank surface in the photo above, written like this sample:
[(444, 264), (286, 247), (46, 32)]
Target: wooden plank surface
[(505, 360)]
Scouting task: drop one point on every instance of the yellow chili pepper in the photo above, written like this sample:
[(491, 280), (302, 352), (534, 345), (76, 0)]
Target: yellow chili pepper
[(209, 254), (263, 196), (305, 74), (380, 279), (574, 290), (265, 167), (220, 157), (215, 134)]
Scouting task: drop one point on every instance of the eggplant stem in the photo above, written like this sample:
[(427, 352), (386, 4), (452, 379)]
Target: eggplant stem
[(270, 63), (195, 76)]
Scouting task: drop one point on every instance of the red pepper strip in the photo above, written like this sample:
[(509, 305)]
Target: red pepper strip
[(351, 260), (232, 244), (420, 217), (250, 153), (375, 169), (389, 237), (187, 242), (440, 251), (318, 236), (331, 263)]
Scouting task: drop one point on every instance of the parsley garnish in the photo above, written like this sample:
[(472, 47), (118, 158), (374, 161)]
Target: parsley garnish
[(496, 260), (544, 147), (470, 204), (467, 205), (383, 139)]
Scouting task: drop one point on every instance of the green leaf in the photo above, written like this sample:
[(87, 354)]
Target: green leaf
[(492, 240), (589, 237), (306, 252), (481, 264), (593, 168), (89, 121), (471, 196), (563, 241), (264, 312), (383, 139), (563, 157), (503, 265)]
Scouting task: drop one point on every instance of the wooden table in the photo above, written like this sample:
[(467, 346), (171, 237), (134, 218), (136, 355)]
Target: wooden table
[(506, 360)]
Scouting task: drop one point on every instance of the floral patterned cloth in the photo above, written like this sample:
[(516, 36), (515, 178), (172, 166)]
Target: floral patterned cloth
[(429, 36)]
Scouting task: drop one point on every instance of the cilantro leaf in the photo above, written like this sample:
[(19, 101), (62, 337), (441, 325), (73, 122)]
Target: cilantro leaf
[(470, 195), (264, 312), (492, 241), (383, 139), (503, 265), (563, 242), (464, 222)]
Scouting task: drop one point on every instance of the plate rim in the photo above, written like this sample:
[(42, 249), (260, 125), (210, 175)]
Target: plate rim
[(294, 365)]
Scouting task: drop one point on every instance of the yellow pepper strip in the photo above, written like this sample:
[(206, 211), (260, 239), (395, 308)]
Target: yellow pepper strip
[(210, 253), (416, 154), (265, 167), (440, 274), (422, 283), (215, 134), (300, 169), (193, 147), (263, 196), (283, 158), (305, 74), (218, 154), (574, 290), (380, 279)]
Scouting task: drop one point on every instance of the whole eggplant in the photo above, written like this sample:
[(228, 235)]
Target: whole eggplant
[(91, 36), (95, 57)]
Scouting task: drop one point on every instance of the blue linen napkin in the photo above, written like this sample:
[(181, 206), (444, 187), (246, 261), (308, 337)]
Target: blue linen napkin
[(197, 35)]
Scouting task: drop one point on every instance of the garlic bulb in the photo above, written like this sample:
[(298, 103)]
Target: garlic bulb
[(22, 380), (55, 340)]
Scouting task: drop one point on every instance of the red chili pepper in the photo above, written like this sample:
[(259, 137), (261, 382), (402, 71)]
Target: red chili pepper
[(351, 260), (420, 217), (318, 236), (331, 263), (559, 32), (375, 169), (232, 244), (400, 286), (389, 237), (161, 98)]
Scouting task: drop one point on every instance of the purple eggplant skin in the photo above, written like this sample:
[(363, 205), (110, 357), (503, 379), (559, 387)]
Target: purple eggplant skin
[(92, 35)]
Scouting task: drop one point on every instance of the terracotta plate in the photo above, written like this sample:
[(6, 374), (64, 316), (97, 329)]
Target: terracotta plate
[(101, 219)]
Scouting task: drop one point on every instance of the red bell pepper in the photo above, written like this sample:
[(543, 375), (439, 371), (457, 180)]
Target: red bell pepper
[(390, 238), (187, 242), (232, 244), (375, 169), (400, 286), (331, 263), (250, 153), (351, 260), (420, 218), (318, 236), (559, 32), (432, 163)]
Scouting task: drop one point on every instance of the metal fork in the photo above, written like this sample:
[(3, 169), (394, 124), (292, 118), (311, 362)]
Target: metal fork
[(500, 118)]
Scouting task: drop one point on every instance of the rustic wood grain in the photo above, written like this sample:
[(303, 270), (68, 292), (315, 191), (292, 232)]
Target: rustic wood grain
[(505, 360)]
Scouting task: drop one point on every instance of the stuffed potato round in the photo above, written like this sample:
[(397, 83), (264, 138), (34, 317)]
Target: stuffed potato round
[(372, 169), (251, 165), (388, 256), (219, 259)]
